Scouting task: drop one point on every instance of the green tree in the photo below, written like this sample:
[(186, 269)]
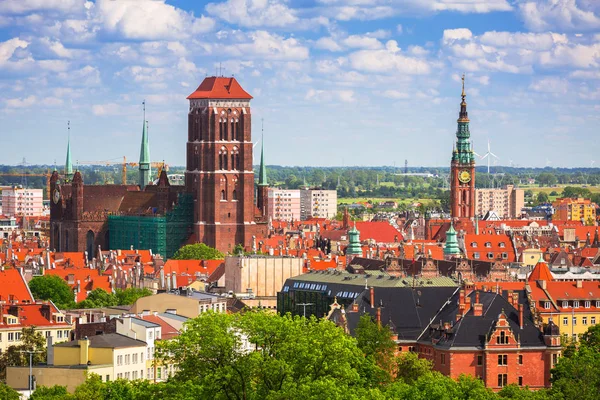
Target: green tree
[(51, 393), (574, 192), (52, 287), (31, 340), (294, 358), (98, 298), (130, 295), (8, 393), (376, 341), (542, 197), (198, 251), (410, 367)]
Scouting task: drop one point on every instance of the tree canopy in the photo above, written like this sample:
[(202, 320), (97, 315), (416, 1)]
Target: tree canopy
[(31, 340), (198, 251), (52, 287), (100, 298)]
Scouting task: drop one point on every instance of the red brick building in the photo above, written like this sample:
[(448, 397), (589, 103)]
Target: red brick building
[(219, 170)]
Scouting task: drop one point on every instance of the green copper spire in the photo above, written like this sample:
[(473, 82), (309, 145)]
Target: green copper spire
[(68, 164), (354, 248), (463, 153), (262, 172), (144, 164), (451, 247)]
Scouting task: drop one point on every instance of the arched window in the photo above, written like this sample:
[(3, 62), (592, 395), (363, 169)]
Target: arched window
[(233, 132), (90, 245), (238, 131), (57, 238), (234, 195), (223, 129), (223, 195), (225, 166)]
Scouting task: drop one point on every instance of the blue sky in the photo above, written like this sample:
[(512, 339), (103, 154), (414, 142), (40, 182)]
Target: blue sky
[(337, 82)]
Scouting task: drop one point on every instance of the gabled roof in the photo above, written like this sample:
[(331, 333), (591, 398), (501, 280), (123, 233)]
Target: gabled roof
[(540, 272), (109, 340), (166, 330), (12, 284), (380, 231), (32, 315), (219, 88)]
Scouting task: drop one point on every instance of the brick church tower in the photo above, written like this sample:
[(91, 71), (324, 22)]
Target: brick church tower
[(219, 170), (462, 170)]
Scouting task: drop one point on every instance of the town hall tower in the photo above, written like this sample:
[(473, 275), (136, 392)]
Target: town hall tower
[(462, 170)]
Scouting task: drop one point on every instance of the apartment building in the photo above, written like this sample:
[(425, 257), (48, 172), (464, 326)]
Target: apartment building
[(284, 205), (506, 202), (318, 203), (574, 210), (22, 202)]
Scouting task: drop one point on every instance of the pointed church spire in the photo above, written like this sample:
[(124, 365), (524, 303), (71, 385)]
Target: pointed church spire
[(463, 116), (144, 164), (68, 163), (262, 172)]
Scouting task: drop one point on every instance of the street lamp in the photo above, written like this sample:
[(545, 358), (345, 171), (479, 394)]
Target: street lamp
[(30, 352), (304, 307)]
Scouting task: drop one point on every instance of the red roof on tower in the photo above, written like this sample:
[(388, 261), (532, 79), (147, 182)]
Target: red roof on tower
[(219, 88)]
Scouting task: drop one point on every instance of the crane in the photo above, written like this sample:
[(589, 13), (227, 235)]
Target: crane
[(26, 174), (159, 166)]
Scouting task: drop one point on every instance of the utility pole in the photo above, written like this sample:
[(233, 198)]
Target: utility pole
[(304, 306), (30, 352)]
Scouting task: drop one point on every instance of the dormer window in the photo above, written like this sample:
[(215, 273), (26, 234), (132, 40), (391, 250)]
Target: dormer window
[(476, 256), (504, 256), (576, 304), (547, 305), (598, 303), (474, 244), (587, 304), (488, 244), (565, 304), (490, 255), (502, 245)]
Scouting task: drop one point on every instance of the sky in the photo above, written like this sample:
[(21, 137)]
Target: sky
[(335, 82)]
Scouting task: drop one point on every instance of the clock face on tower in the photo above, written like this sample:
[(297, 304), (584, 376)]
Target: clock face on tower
[(56, 196), (464, 176)]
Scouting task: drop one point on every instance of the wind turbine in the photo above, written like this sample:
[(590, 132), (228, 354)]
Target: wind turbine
[(489, 155)]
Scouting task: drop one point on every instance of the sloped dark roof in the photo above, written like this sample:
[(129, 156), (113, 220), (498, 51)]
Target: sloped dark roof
[(472, 331), (110, 340), (409, 309), (368, 264)]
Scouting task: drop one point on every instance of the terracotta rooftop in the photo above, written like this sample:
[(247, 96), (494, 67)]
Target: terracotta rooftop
[(219, 88)]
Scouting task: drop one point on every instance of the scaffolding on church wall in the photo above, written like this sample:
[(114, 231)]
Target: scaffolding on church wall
[(163, 234)]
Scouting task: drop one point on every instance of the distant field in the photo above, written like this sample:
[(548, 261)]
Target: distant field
[(376, 200), (559, 188)]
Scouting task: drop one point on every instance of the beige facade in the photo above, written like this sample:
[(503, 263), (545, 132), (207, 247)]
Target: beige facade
[(531, 257), (187, 306), (284, 205), (317, 203), (262, 276), (506, 202), (50, 375)]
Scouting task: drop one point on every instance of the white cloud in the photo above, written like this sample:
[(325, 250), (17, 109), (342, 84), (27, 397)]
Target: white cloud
[(389, 59), (53, 65), (141, 74), (451, 35), (549, 85), (106, 109), (27, 6), (7, 49), (253, 13), (149, 19), (186, 66), (394, 94), (399, 29), (56, 47), (85, 76), (516, 52), (362, 42), (328, 43), (324, 96), (21, 102), (543, 15), (273, 47)]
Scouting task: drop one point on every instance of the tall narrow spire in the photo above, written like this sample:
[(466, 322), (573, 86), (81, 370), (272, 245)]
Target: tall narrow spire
[(463, 151), (463, 116), (262, 172), (68, 163), (144, 164)]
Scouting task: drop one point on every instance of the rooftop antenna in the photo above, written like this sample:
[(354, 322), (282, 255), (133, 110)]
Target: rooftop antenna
[(144, 108)]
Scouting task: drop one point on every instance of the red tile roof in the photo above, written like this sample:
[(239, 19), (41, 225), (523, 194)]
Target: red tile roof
[(485, 244), (380, 231), (13, 285), (89, 279), (540, 272), (219, 88), (166, 330), (191, 267), (32, 315)]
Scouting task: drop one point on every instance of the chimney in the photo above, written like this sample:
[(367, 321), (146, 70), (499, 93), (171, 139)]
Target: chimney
[(379, 316), (579, 284), (372, 291), (510, 298), (515, 296), (84, 346), (477, 307), (461, 297), (354, 306), (521, 316)]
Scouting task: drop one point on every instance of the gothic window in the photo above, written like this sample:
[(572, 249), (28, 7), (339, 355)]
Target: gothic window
[(225, 165), (234, 195), (233, 132), (223, 195), (502, 338), (222, 129), (464, 196), (238, 131)]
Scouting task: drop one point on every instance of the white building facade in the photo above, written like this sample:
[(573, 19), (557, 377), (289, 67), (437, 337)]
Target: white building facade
[(22, 202)]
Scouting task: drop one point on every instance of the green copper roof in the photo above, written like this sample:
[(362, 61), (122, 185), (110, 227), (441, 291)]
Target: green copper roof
[(68, 163), (262, 173), (145, 150), (451, 247), (463, 153), (144, 164), (354, 247)]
